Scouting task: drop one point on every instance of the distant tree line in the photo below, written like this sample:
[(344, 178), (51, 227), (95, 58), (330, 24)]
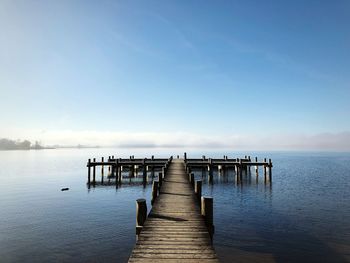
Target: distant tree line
[(7, 144)]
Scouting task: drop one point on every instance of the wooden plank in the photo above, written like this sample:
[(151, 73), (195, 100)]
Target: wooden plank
[(174, 231)]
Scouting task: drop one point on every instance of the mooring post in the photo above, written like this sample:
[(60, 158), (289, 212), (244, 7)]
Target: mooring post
[(89, 180), (198, 190), (265, 175), (141, 214), (192, 180), (154, 191), (102, 171), (94, 172), (119, 171), (240, 168), (144, 171), (163, 172), (210, 170), (160, 178), (270, 170), (249, 166), (207, 213)]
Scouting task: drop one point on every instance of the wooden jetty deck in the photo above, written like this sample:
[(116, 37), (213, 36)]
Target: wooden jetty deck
[(175, 230)]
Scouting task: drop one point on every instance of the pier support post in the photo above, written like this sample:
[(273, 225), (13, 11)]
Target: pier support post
[(144, 172), (192, 179), (240, 168), (185, 156), (265, 174), (270, 170), (89, 180), (119, 171), (198, 190), (94, 173), (141, 214), (102, 170), (160, 179), (210, 170), (207, 213), (154, 191), (256, 167)]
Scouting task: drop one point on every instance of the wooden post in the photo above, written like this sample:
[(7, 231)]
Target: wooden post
[(256, 167), (119, 171), (102, 171), (192, 180), (102, 167), (185, 156), (94, 173), (89, 180), (131, 171), (141, 214), (198, 190), (210, 170), (265, 175), (240, 168), (160, 179), (270, 170), (144, 171), (154, 191), (207, 213), (164, 171)]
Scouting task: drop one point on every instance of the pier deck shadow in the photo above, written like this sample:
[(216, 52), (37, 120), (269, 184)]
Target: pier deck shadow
[(174, 230)]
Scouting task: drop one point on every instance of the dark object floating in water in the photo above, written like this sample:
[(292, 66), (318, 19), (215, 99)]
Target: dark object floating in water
[(65, 189)]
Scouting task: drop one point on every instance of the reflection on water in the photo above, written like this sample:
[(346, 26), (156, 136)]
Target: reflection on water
[(302, 216)]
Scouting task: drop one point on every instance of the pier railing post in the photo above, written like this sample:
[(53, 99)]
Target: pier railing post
[(207, 213), (154, 191), (141, 214)]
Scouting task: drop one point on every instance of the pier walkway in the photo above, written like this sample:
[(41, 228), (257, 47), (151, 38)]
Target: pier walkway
[(174, 231)]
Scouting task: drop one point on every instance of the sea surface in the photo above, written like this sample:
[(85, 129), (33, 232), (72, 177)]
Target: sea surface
[(302, 216)]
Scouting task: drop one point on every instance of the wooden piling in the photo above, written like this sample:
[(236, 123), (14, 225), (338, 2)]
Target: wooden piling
[(94, 173), (144, 171), (198, 190), (207, 213), (89, 168), (265, 175), (270, 170), (192, 180), (210, 170), (141, 214), (256, 167), (160, 179), (154, 191)]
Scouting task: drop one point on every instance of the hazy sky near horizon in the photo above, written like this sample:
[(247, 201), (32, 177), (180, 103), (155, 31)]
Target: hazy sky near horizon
[(164, 72)]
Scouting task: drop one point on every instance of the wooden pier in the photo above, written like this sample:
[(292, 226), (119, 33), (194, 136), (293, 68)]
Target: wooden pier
[(117, 165), (179, 227)]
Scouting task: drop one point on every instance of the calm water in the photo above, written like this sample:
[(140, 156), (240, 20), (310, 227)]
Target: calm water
[(303, 216)]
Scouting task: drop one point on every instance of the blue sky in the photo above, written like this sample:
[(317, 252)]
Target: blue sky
[(215, 72)]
